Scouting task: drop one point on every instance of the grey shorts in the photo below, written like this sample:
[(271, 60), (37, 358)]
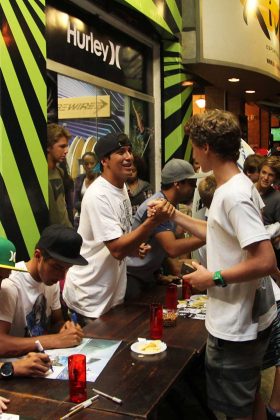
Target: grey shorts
[(233, 373), (272, 354)]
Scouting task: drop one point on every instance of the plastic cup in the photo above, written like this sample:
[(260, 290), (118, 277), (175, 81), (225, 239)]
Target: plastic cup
[(171, 297), (77, 378), (186, 289), (156, 321)]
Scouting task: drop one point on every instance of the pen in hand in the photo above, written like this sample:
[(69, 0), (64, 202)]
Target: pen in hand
[(40, 349), (74, 318)]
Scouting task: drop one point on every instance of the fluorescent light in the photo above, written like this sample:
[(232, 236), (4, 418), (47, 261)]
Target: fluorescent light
[(250, 91), (233, 79)]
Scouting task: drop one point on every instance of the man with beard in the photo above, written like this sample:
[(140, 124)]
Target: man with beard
[(178, 181)]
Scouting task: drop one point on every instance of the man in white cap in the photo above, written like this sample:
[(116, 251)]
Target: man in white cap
[(178, 181)]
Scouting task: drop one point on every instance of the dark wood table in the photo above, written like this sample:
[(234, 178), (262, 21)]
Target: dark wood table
[(31, 407), (141, 382), (128, 322)]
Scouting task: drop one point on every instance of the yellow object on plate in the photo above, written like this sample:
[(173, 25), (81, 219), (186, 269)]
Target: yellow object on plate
[(198, 301), (148, 347)]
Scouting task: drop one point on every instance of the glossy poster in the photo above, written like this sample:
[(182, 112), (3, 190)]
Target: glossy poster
[(241, 32)]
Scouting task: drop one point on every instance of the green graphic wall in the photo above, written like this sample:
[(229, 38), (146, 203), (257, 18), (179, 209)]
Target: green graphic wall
[(23, 168), (177, 99), (23, 108)]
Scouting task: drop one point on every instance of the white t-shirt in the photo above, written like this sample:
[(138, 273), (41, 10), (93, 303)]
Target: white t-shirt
[(238, 311), (27, 304), (106, 214)]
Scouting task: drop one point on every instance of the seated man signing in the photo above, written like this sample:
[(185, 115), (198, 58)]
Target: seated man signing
[(29, 301), (34, 364)]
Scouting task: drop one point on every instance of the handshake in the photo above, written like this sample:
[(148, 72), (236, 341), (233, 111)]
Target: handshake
[(160, 210)]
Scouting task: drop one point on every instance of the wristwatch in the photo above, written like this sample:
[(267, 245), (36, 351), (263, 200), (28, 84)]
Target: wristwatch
[(6, 370), (218, 279)]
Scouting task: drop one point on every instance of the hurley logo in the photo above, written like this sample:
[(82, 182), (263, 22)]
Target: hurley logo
[(108, 52), (12, 256)]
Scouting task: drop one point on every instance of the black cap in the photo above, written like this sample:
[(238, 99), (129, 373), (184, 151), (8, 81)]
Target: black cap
[(63, 244), (110, 143)]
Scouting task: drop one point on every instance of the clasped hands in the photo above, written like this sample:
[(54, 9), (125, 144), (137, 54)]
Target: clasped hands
[(160, 210)]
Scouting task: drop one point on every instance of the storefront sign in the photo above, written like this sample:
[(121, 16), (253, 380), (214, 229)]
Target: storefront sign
[(97, 49), (84, 107), (109, 52)]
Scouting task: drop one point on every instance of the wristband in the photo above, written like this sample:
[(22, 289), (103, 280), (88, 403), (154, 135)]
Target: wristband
[(218, 279)]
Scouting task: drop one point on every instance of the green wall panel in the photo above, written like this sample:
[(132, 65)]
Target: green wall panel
[(23, 105)]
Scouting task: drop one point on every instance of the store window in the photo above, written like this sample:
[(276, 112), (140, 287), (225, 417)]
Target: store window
[(99, 81)]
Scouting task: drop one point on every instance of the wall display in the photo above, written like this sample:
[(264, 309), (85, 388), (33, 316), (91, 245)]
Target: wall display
[(254, 27)]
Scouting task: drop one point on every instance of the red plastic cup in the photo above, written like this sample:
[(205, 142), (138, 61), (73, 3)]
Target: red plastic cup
[(77, 378), (171, 297), (156, 321), (186, 289)]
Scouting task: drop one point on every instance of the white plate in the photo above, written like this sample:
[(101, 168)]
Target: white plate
[(136, 347), (197, 297)]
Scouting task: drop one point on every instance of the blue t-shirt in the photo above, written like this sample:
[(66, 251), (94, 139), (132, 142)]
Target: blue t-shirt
[(145, 268)]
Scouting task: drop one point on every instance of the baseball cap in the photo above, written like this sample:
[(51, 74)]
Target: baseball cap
[(8, 255), (177, 170), (63, 244), (110, 143)]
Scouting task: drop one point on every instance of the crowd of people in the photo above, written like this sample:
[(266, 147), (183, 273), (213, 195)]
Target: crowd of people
[(115, 255)]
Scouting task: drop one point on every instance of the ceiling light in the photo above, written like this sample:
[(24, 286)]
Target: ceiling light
[(250, 91), (200, 103), (233, 79), (187, 83)]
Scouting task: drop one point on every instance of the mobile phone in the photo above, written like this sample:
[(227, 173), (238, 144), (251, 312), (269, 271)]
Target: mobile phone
[(187, 269)]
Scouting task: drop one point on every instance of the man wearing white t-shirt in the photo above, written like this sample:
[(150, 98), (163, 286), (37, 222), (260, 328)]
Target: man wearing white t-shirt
[(30, 298), (105, 226), (241, 305)]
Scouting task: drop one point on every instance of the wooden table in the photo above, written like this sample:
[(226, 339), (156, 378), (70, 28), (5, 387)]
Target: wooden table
[(128, 322), (141, 382), (30, 407)]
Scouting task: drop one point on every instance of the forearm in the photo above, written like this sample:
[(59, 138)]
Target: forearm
[(16, 346), (184, 245), (128, 244), (196, 227), (249, 269)]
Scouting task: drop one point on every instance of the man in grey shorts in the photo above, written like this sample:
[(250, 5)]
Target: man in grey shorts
[(241, 305)]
